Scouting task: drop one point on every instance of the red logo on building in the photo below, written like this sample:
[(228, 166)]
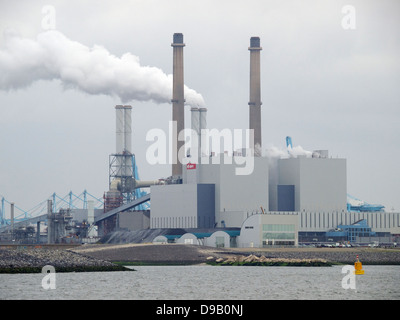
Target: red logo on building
[(191, 166)]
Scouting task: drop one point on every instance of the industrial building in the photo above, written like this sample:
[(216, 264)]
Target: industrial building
[(309, 185), (278, 201), (221, 197), (262, 230)]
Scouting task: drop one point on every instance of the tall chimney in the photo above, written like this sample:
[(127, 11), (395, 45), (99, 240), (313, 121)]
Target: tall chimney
[(128, 129), (119, 129), (123, 140), (178, 102), (203, 148), (123, 128), (255, 94), (195, 142)]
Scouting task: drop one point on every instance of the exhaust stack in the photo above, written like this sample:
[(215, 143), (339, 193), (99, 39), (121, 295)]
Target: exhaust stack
[(195, 140), (255, 94), (123, 140), (123, 129), (178, 102), (199, 140), (203, 147)]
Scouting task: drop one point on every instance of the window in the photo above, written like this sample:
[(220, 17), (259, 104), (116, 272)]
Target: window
[(278, 227), (282, 232), (219, 242), (275, 235)]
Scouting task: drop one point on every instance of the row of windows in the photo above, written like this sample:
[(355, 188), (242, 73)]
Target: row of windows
[(333, 219), (278, 227), (275, 235), (182, 222), (174, 222), (278, 243)]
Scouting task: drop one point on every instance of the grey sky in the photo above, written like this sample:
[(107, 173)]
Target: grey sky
[(326, 87)]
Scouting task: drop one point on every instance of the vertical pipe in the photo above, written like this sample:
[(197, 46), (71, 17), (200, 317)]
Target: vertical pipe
[(12, 218), (203, 135), (119, 137), (119, 129), (128, 129), (178, 101), (128, 170), (255, 94), (38, 232), (2, 216), (195, 142), (50, 222)]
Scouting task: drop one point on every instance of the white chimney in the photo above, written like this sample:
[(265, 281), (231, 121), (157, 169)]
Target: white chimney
[(119, 129), (195, 139), (203, 144), (128, 129)]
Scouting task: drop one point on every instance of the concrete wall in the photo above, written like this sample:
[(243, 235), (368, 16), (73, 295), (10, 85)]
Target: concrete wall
[(135, 220), (182, 206), (323, 221), (82, 214), (232, 219), (233, 192), (251, 233), (320, 184)]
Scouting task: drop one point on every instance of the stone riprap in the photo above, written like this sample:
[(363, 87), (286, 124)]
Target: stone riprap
[(192, 254), (32, 260), (253, 260), (103, 257), (372, 256)]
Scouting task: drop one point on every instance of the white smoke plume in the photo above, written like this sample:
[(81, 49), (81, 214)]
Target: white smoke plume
[(290, 152), (52, 56), (299, 151), (275, 152)]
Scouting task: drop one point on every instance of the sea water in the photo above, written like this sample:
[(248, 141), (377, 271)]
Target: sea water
[(203, 282)]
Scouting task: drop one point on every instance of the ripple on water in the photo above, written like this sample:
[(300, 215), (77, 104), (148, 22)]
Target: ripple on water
[(208, 282)]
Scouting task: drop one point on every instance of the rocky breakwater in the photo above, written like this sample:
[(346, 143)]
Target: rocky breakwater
[(32, 260), (253, 260), (371, 256)]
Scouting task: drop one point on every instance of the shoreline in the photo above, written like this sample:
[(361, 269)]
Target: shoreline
[(114, 257), (33, 259), (182, 254)]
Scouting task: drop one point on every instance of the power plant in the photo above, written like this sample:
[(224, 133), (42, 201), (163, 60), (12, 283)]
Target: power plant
[(229, 195)]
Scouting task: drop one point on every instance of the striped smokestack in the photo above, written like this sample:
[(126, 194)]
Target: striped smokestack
[(178, 102), (255, 94)]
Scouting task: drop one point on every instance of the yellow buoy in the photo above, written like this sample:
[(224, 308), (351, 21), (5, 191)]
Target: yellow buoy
[(358, 267)]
